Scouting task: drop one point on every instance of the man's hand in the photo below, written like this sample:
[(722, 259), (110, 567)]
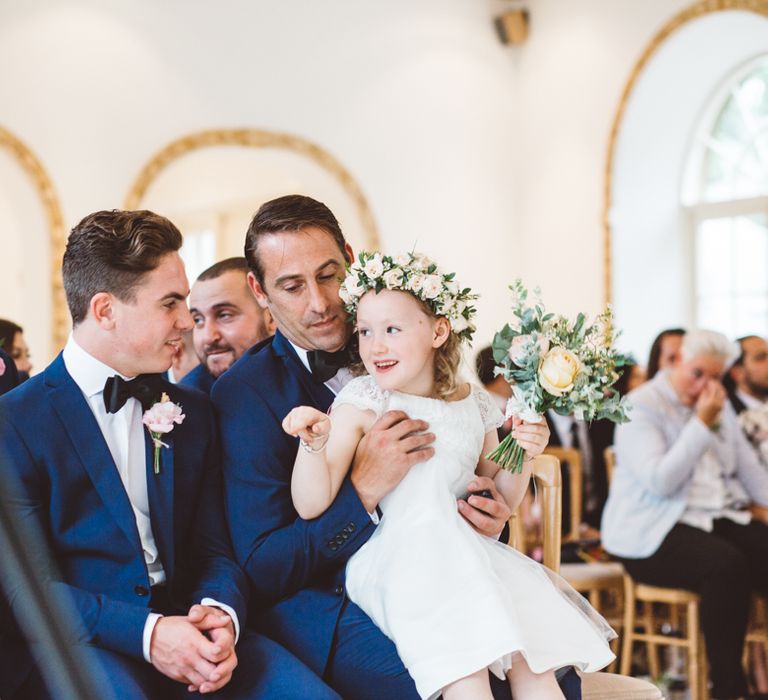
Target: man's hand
[(217, 625), (182, 652), (385, 455), (486, 515)]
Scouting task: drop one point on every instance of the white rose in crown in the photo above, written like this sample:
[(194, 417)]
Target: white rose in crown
[(416, 282), (160, 419), (459, 324), (558, 370), (393, 278), (432, 286), (353, 287), (374, 267)]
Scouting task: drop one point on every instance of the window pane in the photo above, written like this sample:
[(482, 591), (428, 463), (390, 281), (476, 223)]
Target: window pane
[(732, 275)]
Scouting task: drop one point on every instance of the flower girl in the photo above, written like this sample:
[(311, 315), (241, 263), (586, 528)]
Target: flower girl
[(454, 602)]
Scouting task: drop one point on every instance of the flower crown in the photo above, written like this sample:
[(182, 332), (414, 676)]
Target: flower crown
[(414, 273)]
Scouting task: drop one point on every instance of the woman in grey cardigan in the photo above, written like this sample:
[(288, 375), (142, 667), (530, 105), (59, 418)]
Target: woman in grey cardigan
[(677, 512)]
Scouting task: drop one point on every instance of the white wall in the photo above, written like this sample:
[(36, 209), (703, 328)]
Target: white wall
[(488, 157)]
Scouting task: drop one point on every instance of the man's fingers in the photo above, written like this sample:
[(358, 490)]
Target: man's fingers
[(417, 456), (221, 675), (417, 442)]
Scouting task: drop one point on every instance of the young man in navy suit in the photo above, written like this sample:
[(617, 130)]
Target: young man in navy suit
[(134, 521), (297, 253)]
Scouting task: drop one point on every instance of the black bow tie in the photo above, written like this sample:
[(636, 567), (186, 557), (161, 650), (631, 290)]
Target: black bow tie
[(146, 388), (324, 365)]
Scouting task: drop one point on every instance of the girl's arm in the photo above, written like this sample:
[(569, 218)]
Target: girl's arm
[(533, 438), (332, 440)]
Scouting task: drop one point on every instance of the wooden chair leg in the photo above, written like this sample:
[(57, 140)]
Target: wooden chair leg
[(629, 626), (693, 649), (651, 648)]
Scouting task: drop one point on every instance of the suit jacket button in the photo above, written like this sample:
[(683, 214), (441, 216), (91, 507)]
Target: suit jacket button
[(351, 527), (339, 539), (333, 546), (339, 590), (141, 590)]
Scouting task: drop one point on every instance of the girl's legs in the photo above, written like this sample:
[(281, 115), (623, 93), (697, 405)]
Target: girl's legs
[(473, 687), (532, 686)]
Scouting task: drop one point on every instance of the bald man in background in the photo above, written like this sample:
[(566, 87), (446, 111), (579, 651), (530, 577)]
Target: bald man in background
[(227, 320)]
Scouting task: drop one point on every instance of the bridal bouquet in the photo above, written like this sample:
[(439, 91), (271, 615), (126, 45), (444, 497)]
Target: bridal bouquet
[(552, 363), (754, 423)]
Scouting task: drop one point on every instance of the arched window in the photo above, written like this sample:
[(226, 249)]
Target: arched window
[(726, 194)]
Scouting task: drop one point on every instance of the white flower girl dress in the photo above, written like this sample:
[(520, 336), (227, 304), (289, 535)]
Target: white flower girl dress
[(452, 600)]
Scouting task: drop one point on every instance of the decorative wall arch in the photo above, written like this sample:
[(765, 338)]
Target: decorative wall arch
[(256, 138), (57, 236), (695, 11)]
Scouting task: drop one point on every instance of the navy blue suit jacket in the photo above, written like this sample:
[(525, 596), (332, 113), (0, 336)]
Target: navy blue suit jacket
[(9, 379), (296, 567), (62, 478), (199, 378)]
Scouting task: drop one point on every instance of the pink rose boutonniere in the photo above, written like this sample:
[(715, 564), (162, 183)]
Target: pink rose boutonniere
[(160, 419), (2, 367)]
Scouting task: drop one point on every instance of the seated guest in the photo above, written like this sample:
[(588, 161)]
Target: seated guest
[(184, 359), (747, 380), (9, 375), (133, 515), (227, 320), (12, 341), (665, 351), (494, 384), (677, 512)]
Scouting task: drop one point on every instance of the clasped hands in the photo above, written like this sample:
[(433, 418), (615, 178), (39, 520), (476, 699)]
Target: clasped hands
[(197, 649)]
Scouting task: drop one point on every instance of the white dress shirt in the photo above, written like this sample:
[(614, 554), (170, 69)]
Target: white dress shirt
[(124, 434), (748, 400)]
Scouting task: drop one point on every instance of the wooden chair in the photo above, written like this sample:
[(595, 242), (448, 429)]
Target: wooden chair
[(595, 686), (602, 583), (757, 631)]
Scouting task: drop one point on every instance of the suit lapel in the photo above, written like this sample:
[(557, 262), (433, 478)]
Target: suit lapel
[(86, 437), (322, 396), (160, 494)]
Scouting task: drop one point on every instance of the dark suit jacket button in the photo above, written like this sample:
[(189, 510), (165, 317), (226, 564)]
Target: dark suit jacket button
[(345, 534), (333, 546), (339, 590), (351, 527), (141, 590), (339, 539)]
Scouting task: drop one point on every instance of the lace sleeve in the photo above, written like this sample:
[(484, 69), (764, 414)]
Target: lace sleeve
[(489, 411), (364, 393)]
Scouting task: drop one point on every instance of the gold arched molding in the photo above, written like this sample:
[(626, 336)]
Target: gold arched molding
[(695, 11), (57, 236), (256, 138)]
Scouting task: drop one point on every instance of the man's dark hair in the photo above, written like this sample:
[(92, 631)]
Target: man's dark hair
[(293, 212), (484, 364), (219, 268), (8, 331), (111, 251), (728, 381), (655, 354)]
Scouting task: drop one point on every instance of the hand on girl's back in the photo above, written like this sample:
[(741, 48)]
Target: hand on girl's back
[(306, 423)]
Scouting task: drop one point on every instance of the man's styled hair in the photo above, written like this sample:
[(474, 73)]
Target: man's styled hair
[(293, 212), (111, 251), (219, 268)]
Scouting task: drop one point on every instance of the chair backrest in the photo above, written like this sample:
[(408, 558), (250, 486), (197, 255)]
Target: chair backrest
[(572, 457), (546, 474), (609, 455)]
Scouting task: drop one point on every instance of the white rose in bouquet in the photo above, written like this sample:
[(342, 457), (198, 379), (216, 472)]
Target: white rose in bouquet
[(558, 371)]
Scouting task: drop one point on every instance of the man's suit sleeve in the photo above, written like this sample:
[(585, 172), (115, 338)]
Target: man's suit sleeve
[(280, 552), (220, 577), (98, 619)]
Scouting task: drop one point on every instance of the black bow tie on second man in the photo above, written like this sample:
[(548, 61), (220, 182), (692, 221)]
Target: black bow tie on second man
[(146, 389), (324, 365)]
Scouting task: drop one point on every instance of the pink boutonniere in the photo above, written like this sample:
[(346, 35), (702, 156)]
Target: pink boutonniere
[(160, 419), (2, 367)]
